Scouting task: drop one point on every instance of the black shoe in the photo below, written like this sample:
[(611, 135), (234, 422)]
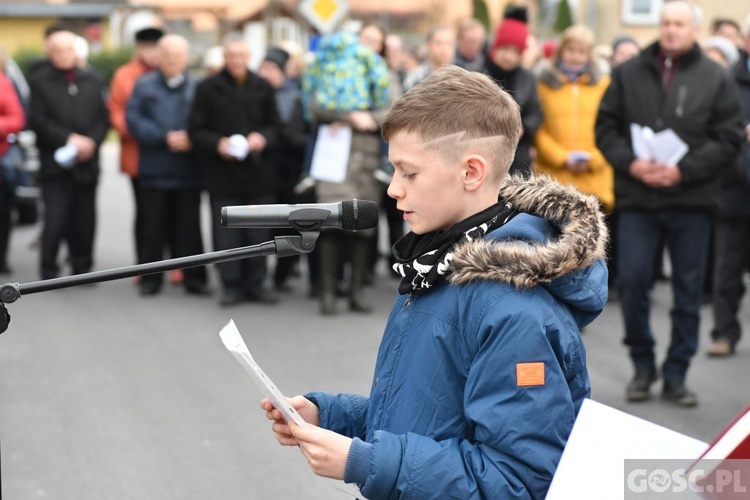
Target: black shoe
[(639, 389), (149, 289), (202, 290), (677, 393), (4, 269), (262, 297), (230, 297)]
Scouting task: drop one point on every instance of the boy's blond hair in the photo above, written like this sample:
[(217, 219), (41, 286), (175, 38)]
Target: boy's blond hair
[(458, 111)]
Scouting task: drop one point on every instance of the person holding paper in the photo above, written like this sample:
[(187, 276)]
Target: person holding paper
[(673, 89), (170, 178), (236, 102), (481, 370), (570, 89), (68, 113), (345, 93)]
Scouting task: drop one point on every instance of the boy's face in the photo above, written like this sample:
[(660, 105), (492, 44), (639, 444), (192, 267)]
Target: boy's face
[(426, 187)]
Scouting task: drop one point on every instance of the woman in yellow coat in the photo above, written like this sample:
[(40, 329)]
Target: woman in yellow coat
[(570, 89)]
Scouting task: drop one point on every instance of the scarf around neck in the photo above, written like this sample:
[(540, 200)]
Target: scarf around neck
[(572, 73), (424, 261)]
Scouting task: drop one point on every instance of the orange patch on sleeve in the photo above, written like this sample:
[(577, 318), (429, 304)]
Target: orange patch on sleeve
[(529, 374)]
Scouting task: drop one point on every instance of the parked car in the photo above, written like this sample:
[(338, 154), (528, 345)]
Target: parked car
[(27, 194), (25, 157)]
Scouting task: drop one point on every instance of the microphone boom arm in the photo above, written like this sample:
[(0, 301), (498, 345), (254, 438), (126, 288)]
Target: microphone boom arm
[(281, 246)]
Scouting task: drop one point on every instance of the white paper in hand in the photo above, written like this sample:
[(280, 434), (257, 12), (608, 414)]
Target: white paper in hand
[(232, 340)]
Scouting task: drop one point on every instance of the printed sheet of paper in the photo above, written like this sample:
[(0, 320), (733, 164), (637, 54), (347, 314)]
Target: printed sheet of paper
[(232, 340), (331, 154)]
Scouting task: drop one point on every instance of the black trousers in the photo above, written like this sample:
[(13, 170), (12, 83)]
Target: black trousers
[(138, 221), (171, 216), (6, 204), (731, 253), (69, 214), (246, 275)]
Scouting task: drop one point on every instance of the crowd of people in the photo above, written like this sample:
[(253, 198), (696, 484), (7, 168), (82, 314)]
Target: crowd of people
[(247, 138), (510, 160)]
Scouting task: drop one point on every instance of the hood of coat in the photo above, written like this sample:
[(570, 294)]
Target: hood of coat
[(336, 47), (520, 254), (557, 242)]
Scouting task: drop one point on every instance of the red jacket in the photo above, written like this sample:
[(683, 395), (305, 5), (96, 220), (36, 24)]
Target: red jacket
[(122, 85), (12, 118)]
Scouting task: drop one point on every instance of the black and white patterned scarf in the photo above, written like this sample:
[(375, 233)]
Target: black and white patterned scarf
[(424, 260)]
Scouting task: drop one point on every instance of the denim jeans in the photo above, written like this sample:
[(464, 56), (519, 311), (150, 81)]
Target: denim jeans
[(687, 236)]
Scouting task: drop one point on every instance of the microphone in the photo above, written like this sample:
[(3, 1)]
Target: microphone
[(349, 215)]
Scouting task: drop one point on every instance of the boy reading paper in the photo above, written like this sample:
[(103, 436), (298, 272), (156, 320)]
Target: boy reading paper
[(481, 369)]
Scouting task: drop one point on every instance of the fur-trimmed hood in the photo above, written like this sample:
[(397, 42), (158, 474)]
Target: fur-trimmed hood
[(559, 233), (557, 241)]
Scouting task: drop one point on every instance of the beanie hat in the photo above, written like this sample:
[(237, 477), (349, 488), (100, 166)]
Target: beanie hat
[(511, 32), (277, 56), (520, 13), (727, 48), (148, 35)]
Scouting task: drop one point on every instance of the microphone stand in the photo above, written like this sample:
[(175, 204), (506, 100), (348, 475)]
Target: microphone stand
[(281, 246)]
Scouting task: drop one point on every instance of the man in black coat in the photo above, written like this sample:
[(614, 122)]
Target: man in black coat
[(236, 104), (68, 114), (670, 85), (732, 237)]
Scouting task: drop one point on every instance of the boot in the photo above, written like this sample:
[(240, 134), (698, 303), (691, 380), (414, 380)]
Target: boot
[(329, 259), (360, 265)]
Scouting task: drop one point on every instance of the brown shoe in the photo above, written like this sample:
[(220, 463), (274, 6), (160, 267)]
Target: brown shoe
[(720, 348)]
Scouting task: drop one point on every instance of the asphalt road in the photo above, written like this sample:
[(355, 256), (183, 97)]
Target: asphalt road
[(107, 395)]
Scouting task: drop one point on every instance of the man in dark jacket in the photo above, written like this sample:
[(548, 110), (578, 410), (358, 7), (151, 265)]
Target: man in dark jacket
[(169, 175), (69, 117), (671, 85), (236, 103), (287, 157), (732, 237)]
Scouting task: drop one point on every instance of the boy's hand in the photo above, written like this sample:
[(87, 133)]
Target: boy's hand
[(325, 451), (307, 410)]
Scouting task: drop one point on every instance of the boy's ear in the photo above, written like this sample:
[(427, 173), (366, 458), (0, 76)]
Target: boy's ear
[(476, 171)]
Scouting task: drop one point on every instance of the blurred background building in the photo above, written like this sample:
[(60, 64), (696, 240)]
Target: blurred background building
[(108, 25)]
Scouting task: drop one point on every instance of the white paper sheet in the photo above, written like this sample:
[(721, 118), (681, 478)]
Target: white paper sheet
[(331, 153), (232, 340), (664, 146), (593, 462), (668, 147)]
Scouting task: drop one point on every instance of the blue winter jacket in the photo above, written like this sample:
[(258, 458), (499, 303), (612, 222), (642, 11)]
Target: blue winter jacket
[(154, 109), (478, 382)]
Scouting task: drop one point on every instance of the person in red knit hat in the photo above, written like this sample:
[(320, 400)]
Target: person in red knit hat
[(503, 64)]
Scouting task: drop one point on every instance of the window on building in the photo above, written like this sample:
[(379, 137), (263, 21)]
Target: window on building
[(644, 12)]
